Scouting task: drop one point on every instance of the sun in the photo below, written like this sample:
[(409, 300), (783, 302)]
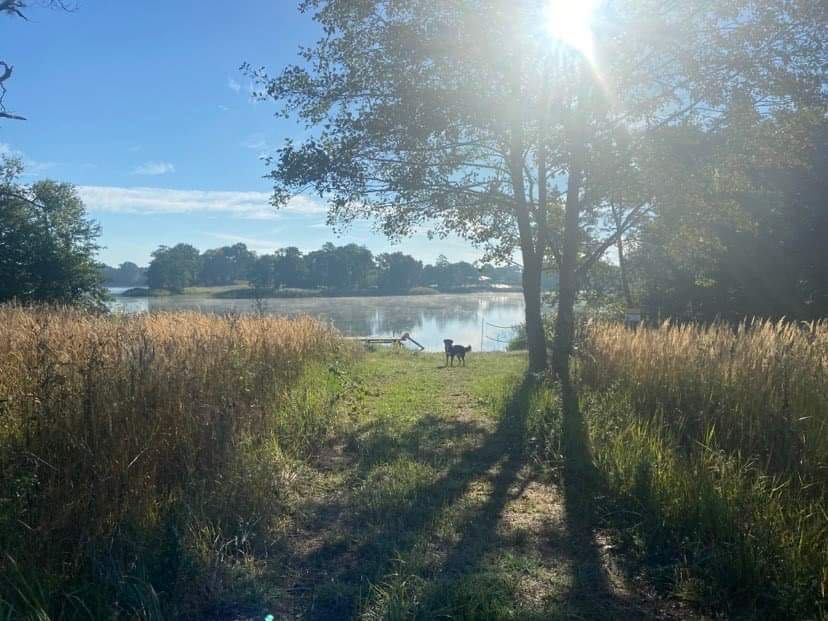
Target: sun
[(570, 23)]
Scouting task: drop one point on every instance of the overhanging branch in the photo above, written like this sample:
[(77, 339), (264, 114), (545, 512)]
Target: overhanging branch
[(596, 254)]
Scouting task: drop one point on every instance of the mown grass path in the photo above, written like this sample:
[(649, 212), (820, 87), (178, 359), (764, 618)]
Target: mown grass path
[(434, 507)]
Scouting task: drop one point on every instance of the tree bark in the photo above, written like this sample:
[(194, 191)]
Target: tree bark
[(568, 278), (622, 261), (531, 255), (622, 266), (535, 336)]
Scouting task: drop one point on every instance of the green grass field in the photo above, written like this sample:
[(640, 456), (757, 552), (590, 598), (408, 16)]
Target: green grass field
[(435, 505), (458, 493)]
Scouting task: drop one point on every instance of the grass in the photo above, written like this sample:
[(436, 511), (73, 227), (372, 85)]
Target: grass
[(759, 388), (712, 446), (144, 460), (436, 505), (189, 466)]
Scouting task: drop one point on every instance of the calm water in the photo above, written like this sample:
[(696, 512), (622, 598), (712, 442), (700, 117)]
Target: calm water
[(476, 319)]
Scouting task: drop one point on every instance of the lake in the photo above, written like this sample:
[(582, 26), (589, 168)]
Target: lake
[(486, 321)]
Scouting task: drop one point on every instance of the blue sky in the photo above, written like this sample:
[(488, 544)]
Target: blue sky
[(141, 105)]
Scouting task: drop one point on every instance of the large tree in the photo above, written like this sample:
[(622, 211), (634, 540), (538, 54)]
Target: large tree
[(744, 234), (127, 274), (290, 269), (284, 268), (226, 265), (347, 268), (471, 116), (47, 243)]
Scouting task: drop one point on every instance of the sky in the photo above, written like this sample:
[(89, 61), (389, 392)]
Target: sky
[(142, 106)]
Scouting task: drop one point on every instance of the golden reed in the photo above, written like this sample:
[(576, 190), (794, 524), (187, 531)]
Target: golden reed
[(761, 387), (105, 420)]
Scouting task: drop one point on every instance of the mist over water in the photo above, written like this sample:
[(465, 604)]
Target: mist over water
[(486, 321)]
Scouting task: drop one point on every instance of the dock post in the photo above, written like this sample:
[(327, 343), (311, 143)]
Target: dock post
[(482, 324)]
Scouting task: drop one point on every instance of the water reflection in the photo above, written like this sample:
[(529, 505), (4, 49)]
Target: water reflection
[(476, 319)]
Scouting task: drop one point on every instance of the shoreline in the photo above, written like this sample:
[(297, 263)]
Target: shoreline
[(245, 293)]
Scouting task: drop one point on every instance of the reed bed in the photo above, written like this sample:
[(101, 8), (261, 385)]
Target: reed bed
[(117, 431), (714, 440), (761, 388)]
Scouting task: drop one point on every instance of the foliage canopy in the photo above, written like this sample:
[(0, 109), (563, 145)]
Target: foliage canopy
[(48, 243)]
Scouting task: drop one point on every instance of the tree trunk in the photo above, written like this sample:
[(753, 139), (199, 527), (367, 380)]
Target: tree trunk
[(564, 329), (568, 284), (531, 254), (535, 337), (622, 266), (617, 216)]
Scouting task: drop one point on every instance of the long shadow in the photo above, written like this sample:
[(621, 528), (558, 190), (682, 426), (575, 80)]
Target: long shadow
[(480, 532), (432, 439), (591, 595), (480, 535), (342, 573)]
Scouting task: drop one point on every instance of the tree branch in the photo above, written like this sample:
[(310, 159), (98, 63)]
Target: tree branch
[(21, 197), (13, 7), (605, 245)]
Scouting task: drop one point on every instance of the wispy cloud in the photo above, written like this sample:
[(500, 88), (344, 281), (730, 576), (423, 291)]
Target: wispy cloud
[(255, 142), (155, 201), (154, 168), (259, 143), (234, 85)]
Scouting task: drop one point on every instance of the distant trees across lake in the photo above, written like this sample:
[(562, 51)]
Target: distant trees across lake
[(350, 267), (127, 274)]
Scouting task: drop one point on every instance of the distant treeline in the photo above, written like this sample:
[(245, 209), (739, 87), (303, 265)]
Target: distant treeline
[(127, 274), (340, 268)]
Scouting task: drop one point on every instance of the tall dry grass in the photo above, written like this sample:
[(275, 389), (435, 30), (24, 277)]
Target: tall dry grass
[(714, 440), (112, 427), (761, 388)]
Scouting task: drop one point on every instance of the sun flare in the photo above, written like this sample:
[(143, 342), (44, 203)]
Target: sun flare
[(570, 23)]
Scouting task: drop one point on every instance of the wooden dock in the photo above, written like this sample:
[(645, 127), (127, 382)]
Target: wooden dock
[(396, 341)]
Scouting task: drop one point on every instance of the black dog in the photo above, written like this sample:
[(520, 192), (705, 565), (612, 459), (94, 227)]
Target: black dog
[(457, 351)]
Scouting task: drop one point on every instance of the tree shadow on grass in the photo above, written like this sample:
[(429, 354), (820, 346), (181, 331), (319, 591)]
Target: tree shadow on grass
[(391, 552), (592, 593), (571, 544), (342, 570), (432, 439)]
